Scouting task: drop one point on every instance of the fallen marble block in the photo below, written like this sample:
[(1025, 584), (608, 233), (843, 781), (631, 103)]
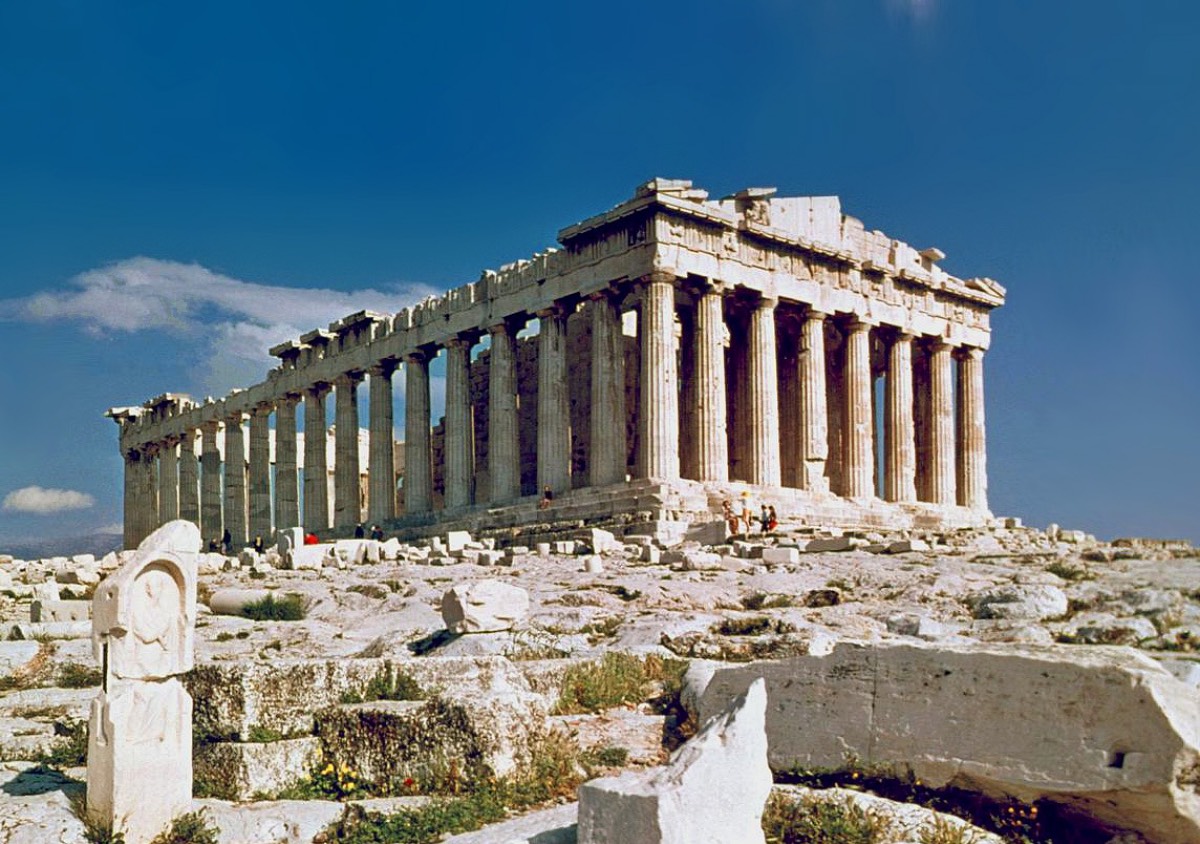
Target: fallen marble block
[(234, 601), (486, 606), (47, 612)]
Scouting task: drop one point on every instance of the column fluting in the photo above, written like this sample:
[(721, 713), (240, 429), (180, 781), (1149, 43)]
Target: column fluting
[(762, 410), (235, 479), (899, 430), (347, 496), (260, 472), (168, 481), (418, 455), (210, 483), (658, 410), (460, 426), (859, 456), (504, 455), (316, 461), (814, 415), (712, 436), (554, 406), (972, 436), (287, 482), (941, 439), (189, 479), (381, 477), (606, 460)]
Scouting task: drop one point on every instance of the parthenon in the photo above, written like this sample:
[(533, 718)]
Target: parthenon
[(686, 349)]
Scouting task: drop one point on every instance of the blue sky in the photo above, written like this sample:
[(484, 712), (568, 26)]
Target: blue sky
[(182, 186)]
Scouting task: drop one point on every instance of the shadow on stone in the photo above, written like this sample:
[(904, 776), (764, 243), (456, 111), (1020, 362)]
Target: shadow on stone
[(41, 780), (432, 642)]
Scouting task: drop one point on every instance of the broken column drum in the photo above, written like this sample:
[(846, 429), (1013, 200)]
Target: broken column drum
[(678, 350)]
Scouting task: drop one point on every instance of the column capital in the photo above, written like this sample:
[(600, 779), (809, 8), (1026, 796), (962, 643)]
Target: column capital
[(210, 426), (172, 440), (418, 356), (656, 277), (859, 323), (767, 301), (969, 352), (265, 408), (560, 308), (464, 339), (348, 378), (382, 368), (317, 390), (815, 315), (235, 417)]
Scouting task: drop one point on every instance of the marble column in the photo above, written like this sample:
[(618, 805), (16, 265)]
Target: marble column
[(347, 497), (168, 481), (941, 431), (972, 437), (287, 482), (381, 475), (712, 435), (235, 479), (131, 527), (762, 399), (189, 479), (460, 425), (210, 483), (316, 469), (553, 404), (859, 456), (418, 454), (504, 455), (689, 420), (260, 472), (814, 415), (606, 460), (899, 431), (658, 410)]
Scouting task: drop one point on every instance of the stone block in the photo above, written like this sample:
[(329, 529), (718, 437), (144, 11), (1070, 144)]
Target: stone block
[(178, 536), (240, 770), (712, 791), (934, 711), (14, 656), (708, 533), (456, 541), (593, 565), (829, 544), (599, 541), (1030, 602), (565, 547), (905, 546), (47, 612), (51, 630), (489, 557), (776, 556), (310, 556), (485, 606), (233, 601)]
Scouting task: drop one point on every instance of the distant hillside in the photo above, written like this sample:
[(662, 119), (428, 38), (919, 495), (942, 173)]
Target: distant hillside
[(63, 546)]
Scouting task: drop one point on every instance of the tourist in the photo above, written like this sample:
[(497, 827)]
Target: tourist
[(377, 533), (747, 511), (547, 497), (360, 531), (311, 539), (772, 519), (227, 542), (258, 544), (764, 519), (731, 518)]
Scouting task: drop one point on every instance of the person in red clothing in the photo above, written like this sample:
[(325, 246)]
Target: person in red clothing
[(310, 539)]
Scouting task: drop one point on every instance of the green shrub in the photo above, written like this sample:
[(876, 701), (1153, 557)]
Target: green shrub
[(615, 680), (192, 828), (811, 820), (941, 831), (75, 675), (755, 626), (71, 751), (95, 831), (764, 601), (288, 608), (385, 686)]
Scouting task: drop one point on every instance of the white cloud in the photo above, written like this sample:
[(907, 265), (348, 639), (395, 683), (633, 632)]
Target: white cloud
[(35, 499), (237, 320), (918, 10)]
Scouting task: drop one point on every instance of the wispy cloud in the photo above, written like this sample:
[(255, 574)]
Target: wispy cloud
[(238, 320), (918, 10), (35, 499)]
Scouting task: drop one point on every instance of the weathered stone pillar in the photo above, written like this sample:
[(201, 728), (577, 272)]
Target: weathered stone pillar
[(316, 469), (168, 481), (814, 415), (941, 439), (504, 454), (899, 432), (235, 479), (418, 454), (859, 467), (972, 437), (287, 492), (131, 527), (689, 457), (210, 482), (762, 400), (658, 410), (712, 436), (381, 483), (260, 472), (189, 479), (149, 494), (554, 406), (606, 461), (460, 426), (347, 505)]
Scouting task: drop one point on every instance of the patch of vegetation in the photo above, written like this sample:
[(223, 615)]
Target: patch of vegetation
[(607, 757), (598, 631), (754, 626), (386, 686), (535, 643), (622, 592), (399, 587), (941, 831), (71, 751), (75, 675), (224, 636), (1066, 571), (765, 601), (617, 680), (288, 608), (811, 820), (192, 828), (95, 831), (263, 735), (370, 590)]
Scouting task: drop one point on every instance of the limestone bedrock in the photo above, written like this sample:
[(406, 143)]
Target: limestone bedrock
[(711, 792)]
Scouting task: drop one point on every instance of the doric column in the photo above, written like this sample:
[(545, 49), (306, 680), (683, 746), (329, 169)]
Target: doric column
[(210, 482), (287, 492), (972, 437), (606, 461), (168, 481), (762, 411), (658, 409), (460, 427), (859, 456), (381, 476), (132, 488), (941, 429), (504, 454), (260, 472), (189, 479), (814, 415), (418, 456), (554, 405), (347, 506), (899, 431), (712, 436), (235, 478), (316, 469)]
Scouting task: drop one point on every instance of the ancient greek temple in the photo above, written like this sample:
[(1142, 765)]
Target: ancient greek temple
[(674, 352)]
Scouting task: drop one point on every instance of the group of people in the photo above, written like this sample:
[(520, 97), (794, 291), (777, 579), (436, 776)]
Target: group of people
[(742, 521), (360, 532)]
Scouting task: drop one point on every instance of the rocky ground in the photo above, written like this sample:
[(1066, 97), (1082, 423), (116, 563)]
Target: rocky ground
[(661, 593)]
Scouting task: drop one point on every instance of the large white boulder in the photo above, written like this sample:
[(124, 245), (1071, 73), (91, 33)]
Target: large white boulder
[(712, 791), (1038, 601), (1105, 731), (485, 606), (180, 536)]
